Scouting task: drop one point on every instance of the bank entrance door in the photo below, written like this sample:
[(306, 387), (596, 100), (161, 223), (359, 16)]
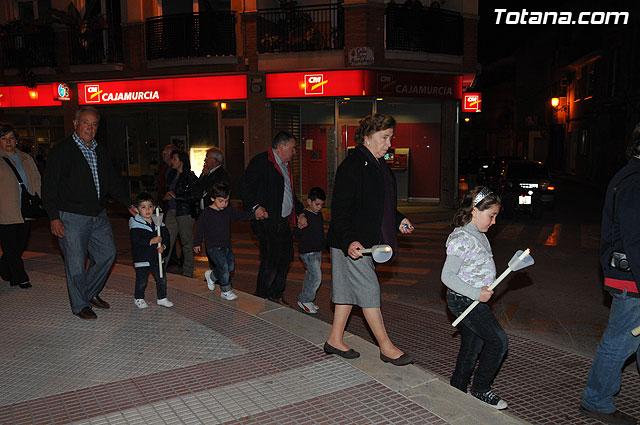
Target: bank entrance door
[(232, 141)]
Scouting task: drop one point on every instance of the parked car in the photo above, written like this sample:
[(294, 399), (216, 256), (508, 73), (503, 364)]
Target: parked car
[(524, 186)]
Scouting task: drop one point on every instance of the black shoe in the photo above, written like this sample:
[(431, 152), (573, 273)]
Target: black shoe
[(349, 354), (25, 285), (403, 360), (87, 314), (99, 302), (615, 418), (280, 301)]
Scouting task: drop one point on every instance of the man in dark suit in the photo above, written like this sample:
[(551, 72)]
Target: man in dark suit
[(78, 177), (267, 190)]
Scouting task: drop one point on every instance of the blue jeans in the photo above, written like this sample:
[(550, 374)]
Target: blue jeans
[(142, 277), (616, 346), (225, 263), (479, 329), (85, 234), (313, 277)]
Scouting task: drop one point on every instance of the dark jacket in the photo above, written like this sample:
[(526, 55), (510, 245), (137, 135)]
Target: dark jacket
[(311, 238), (358, 203), (263, 184), (204, 183), (625, 233), (141, 234), (186, 194), (215, 226), (67, 184)]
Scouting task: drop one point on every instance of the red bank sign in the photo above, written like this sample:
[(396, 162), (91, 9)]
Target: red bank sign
[(363, 83), (23, 97), (472, 102), (163, 90)]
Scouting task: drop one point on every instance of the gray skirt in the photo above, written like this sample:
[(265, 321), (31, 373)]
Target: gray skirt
[(354, 281)]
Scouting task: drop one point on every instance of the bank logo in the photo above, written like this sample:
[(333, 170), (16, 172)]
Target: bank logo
[(314, 84), (92, 93), (63, 92), (386, 83)]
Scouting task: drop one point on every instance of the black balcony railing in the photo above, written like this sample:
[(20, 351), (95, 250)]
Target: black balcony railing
[(27, 46), (191, 35), (96, 45), (423, 30), (300, 29)]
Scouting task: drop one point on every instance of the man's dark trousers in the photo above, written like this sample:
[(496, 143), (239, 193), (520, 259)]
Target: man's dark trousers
[(276, 254)]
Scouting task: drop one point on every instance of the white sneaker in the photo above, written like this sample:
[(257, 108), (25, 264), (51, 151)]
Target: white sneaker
[(211, 281), (315, 306), (307, 307), (165, 302), (229, 295), (140, 303)]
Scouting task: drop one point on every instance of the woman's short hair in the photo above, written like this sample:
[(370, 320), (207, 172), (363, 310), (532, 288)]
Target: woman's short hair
[(184, 158), (372, 124), (464, 213), (6, 128)]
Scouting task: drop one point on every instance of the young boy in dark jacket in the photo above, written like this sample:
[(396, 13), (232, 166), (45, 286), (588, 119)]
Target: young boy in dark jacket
[(214, 225), (145, 249), (311, 243)]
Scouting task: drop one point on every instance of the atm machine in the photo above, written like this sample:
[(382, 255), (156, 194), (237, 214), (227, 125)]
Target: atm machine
[(398, 161)]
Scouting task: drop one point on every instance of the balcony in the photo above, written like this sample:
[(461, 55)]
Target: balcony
[(193, 35), (423, 30), (101, 44), (27, 46), (301, 29)]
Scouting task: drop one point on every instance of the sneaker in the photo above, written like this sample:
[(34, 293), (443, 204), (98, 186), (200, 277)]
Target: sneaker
[(315, 306), (165, 302), (307, 307), (490, 399), (140, 303), (229, 295), (211, 281)]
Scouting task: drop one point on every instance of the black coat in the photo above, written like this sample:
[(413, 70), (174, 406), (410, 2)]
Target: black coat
[(358, 203), (263, 184), (626, 231), (204, 183), (67, 184), (186, 197)]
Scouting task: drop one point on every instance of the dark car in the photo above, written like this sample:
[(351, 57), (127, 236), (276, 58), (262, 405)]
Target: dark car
[(524, 186)]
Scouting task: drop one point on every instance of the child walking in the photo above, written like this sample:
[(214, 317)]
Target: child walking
[(145, 249), (468, 271), (214, 225), (311, 243)]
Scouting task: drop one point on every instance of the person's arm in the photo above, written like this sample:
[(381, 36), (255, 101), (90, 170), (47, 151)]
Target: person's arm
[(141, 237), (201, 226), (344, 195), (51, 183), (166, 238), (627, 207), (250, 185), (241, 215)]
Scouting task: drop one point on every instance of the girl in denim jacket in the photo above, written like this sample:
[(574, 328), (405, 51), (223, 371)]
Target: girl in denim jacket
[(468, 271)]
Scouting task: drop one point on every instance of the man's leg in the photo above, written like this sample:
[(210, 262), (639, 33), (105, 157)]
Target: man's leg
[(616, 346), (284, 253), (102, 251), (77, 230), (266, 234), (185, 230), (172, 226)]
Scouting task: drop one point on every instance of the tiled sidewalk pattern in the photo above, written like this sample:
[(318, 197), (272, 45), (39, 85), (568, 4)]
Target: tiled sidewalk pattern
[(199, 362)]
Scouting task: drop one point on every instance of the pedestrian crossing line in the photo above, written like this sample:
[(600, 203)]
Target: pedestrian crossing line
[(553, 235)]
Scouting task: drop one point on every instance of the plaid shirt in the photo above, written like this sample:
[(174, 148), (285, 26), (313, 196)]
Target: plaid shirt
[(91, 157)]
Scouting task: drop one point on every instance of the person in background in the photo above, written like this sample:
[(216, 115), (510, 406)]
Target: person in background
[(77, 180), (363, 214), (163, 173), (311, 243), (181, 207), (267, 190), (144, 251), (14, 229)]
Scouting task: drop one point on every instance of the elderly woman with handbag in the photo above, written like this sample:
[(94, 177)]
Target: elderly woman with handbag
[(14, 228)]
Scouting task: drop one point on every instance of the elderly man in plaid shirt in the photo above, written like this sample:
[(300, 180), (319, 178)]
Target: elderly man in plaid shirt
[(78, 177)]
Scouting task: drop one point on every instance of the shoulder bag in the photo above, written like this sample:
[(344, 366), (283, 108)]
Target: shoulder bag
[(30, 205)]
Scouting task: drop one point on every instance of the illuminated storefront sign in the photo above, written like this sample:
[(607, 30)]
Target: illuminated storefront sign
[(363, 83), (163, 90), (21, 97), (472, 102), (61, 91)]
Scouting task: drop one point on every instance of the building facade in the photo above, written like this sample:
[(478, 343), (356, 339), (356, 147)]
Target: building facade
[(231, 74)]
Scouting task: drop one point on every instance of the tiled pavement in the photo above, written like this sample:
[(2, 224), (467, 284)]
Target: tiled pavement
[(204, 361)]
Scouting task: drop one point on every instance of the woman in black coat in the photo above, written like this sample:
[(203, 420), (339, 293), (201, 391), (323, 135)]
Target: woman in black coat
[(363, 214), (181, 207)]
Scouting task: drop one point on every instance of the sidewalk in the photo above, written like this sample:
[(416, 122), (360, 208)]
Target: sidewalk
[(206, 360)]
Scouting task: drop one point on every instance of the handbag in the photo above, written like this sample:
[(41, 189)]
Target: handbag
[(30, 205)]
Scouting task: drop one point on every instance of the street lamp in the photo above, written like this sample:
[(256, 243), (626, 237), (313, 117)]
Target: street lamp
[(556, 103)]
